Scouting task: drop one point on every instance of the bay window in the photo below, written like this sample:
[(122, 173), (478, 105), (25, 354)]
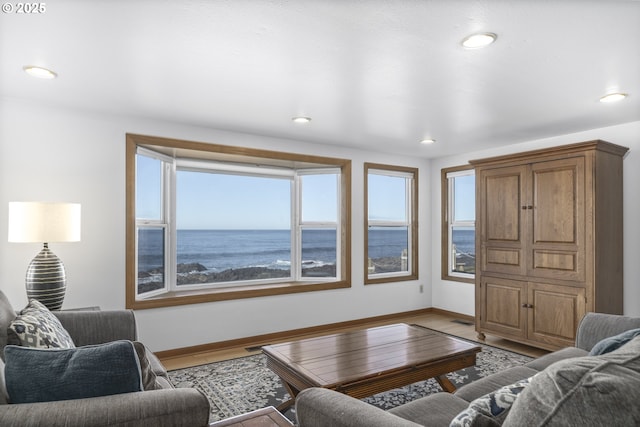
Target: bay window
[(208, 222)]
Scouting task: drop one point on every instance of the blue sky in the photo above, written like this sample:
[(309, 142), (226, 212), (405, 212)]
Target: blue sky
[(465, 197), (387, 198), (222, 201)]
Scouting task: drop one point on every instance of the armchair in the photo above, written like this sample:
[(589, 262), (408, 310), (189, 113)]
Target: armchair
[(167, 406)]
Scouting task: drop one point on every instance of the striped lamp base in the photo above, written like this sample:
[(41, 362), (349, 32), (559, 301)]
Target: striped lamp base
[(46, 279)]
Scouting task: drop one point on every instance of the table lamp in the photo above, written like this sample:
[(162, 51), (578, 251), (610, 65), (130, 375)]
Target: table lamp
[(45, 222)]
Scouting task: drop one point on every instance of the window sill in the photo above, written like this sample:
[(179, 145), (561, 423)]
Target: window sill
[(171, 299), (459, 279), (389, 279)]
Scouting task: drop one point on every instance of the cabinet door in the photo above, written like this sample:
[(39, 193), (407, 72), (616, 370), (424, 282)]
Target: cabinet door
[(501, 306), (501, 218), (554, 313), (557, 220)]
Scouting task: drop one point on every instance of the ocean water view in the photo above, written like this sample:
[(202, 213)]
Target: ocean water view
[(220, 250), (207, 252)]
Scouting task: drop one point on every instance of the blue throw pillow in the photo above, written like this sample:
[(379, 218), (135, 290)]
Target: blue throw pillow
[(44, 375), (607, 345)]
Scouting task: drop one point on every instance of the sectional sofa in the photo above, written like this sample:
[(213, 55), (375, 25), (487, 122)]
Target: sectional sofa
[(564, 388), (96, 335)]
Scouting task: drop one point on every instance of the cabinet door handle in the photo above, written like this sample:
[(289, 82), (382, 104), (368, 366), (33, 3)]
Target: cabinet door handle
[(529, 207), (525, 305)]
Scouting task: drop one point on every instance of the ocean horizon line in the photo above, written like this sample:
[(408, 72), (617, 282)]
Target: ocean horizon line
[(233, 229), (274, 229)]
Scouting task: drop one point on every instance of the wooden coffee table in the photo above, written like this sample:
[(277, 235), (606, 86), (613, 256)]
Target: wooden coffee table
[(369, 361), (265, 417)]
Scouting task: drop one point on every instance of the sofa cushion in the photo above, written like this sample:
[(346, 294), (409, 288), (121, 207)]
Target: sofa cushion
[(149, 377), (4, 398), (590, 390), (7, 314), (490, 409), (545, 361), (43, 375), (597, 326), (435, 409), (37, 327), (493, 382), (609, 344)]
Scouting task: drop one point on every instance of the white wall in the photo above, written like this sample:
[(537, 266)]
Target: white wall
[(459, 297), (53, 154), (64, 155)]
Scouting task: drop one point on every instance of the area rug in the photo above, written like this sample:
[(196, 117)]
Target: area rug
[(240, 385)]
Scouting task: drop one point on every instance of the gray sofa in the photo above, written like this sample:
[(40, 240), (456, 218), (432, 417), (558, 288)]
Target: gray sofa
[(166, 406), (571, 388)]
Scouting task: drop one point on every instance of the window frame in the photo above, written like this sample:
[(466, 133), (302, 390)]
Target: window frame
[(446, 215), (161, 223), (412, 224), (202, 166), (175, 148), (301, 224)]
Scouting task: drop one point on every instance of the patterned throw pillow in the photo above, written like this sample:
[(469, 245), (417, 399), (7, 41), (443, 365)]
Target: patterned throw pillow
[(492, 408), (37, 327)]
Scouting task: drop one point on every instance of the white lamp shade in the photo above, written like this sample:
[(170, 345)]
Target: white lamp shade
[(44, 222)]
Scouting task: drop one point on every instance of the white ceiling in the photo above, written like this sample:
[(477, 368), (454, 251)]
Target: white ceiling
[(372, 74)]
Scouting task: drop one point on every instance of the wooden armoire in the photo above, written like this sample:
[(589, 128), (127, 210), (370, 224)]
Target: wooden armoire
[(548, 241)]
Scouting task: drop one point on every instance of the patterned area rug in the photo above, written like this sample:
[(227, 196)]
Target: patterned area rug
[(241, 385)]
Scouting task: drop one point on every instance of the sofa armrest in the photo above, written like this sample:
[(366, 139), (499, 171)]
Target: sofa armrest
[(319, 407), (595, 327), (155, 408), (97, 327)]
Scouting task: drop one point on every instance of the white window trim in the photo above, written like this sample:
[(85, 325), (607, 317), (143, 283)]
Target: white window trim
[(168, 165), (172, 166), (453, 224), (301, 224), (387, 223)]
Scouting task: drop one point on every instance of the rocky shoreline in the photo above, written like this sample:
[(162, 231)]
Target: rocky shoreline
[(195, 273)]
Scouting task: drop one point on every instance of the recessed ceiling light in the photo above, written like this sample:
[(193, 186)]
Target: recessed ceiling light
[(39, 72), (427, 141), (476, 41), (301, 119), (613, 97)]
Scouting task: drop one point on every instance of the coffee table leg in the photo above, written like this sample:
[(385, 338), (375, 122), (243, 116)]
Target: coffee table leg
[(445, 384), (293, 392)]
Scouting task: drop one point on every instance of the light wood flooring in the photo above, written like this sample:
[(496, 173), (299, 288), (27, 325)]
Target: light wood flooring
[(443, 322)]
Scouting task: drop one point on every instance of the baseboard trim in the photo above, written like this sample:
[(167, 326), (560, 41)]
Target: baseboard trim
[(258, 340), (454, 314)]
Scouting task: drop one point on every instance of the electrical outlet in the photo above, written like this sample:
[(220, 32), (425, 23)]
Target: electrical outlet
[(421, 289)]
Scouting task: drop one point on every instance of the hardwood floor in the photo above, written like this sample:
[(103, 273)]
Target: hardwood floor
[(443, 322)]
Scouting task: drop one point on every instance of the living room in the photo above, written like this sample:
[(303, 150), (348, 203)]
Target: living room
[(52, 149)]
